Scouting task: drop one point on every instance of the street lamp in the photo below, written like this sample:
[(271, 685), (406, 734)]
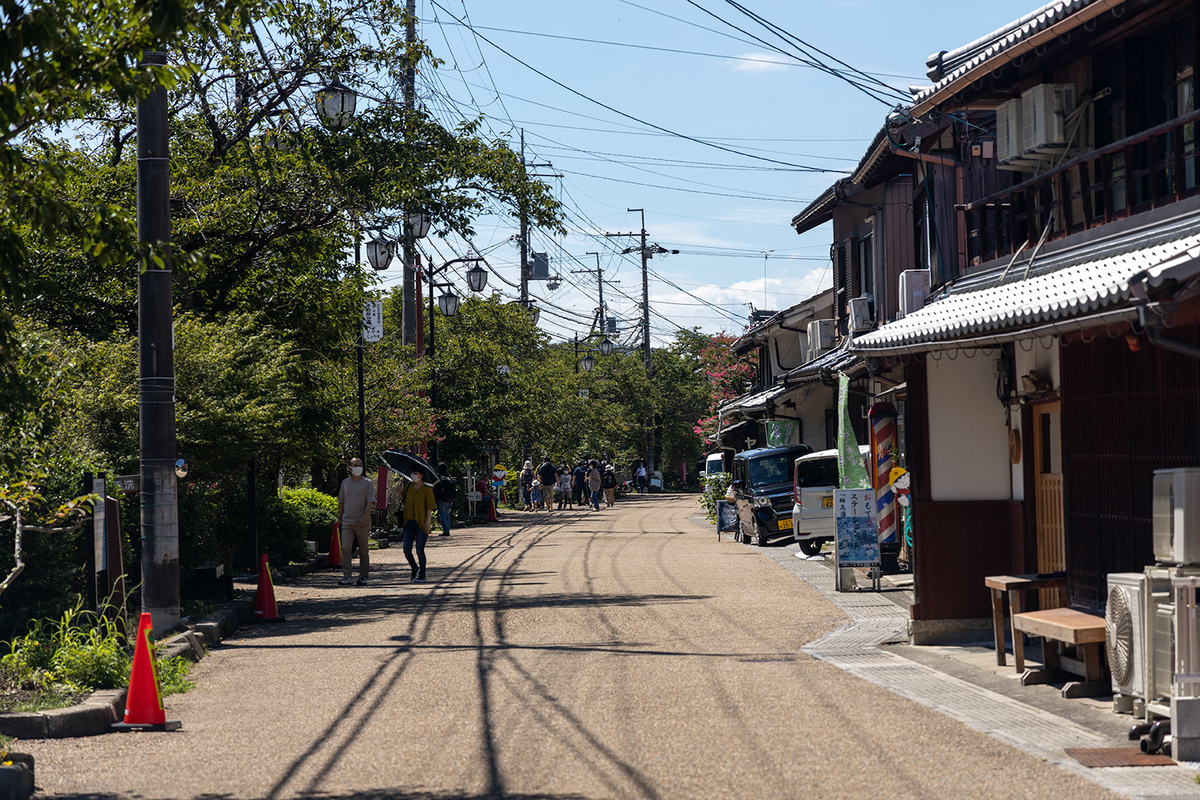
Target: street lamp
[(335, 105), (606, 347), (379, 254), (418, 224), (477, 278), (448, 303), (588, 363)]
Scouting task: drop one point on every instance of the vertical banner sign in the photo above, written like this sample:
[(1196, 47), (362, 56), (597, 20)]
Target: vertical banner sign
[(372, 330), (883, 441), (857, 537), (850, 466), (780, 432)]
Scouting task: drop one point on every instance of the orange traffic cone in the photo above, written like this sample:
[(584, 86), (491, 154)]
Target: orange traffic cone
[(143, 705), (335, 547), (265, 609)]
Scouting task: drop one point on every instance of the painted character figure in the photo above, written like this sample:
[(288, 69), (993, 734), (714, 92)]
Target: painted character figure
[(901, 483)]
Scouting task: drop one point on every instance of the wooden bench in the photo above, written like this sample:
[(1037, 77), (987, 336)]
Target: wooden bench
[(1077, 628), (1014, 587)]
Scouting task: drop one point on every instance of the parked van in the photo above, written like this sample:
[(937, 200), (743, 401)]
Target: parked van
[(814, 478), (762, 487), (714, 463)]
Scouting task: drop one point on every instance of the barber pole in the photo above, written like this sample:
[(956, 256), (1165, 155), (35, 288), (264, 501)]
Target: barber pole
[(883, 440)]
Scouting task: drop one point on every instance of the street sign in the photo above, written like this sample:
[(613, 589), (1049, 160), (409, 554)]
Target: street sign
[(129, 484), (474, 497), (372, 330)]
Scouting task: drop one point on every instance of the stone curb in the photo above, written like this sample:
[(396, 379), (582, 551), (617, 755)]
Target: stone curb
[(16, 778), (94, 715)]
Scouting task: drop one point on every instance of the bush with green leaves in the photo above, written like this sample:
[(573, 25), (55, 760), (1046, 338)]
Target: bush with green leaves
[(715, 487), (313, 511), (79, 651)]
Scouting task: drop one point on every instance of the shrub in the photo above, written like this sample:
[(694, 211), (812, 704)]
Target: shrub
[(313, 511), (715, 487)]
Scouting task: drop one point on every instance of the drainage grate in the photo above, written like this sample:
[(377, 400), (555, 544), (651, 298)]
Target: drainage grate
[(1117, 757)]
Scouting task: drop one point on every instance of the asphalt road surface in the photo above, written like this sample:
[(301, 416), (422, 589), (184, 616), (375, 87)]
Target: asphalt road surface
[(619, 654)]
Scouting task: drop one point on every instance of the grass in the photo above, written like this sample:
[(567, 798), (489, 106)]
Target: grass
[(43, 699)]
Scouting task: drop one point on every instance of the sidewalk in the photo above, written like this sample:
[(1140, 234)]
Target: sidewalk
[(964, 683)]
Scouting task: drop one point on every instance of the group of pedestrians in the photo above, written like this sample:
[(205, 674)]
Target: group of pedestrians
[(583, 484)]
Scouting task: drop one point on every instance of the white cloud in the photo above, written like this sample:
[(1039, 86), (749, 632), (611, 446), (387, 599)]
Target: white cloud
[(761, 62), (736, 298)]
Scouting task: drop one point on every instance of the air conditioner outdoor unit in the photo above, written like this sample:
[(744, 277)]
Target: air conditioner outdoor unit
[(820, 337), (1128, 637), (1176, 516), (914, 289), (1008, 131), (1044, 110), (860, 314)]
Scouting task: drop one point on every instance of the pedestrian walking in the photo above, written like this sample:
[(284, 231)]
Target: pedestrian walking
[(419, 504), (593, 483), (535, 495), (563, 489), (579, 481), (608, 483), (445, 491), (356, 504), (641, 477), (548, 477), (526, 482)]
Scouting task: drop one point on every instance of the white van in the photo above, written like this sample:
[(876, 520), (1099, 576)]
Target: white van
[(813, 480), (714, 463)]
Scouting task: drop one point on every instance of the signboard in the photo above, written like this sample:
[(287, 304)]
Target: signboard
[(780, 432), (372, 330), (474, 497), (99, 539), (129, 484), (727, 519), (857, 543)]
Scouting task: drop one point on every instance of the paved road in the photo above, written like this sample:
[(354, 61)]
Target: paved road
[(622, 654)]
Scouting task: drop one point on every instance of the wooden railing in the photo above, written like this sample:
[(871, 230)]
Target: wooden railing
[(1147, 170)]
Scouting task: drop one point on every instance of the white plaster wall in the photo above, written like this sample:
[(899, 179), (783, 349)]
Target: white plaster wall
[(968, 433), (1042, 356), (811, 403)]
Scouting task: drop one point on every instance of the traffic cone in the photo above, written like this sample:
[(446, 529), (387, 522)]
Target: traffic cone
[(335, 548), (265, 609), (143, 705)]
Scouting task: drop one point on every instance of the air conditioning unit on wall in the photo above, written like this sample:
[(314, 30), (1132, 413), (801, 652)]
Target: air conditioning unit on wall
[(820, 337), (860, 314), (1008, 131), (1044, 112)]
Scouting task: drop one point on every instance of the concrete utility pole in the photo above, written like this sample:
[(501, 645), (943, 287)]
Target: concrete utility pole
[(599, 283), (524, 243), (645, 253), (156, 363), (409, 250)]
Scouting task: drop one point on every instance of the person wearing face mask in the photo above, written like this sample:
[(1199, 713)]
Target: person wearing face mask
[(419, 505), (356, 503)]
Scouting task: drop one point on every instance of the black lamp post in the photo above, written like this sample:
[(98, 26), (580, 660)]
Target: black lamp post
[(448, 304)]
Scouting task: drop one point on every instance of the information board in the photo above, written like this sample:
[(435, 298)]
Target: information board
[(372, 330), (857, 535)]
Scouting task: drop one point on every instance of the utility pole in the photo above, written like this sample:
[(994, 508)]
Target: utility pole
[(409, 250), (524, 230), (156, 362), (600, 283)]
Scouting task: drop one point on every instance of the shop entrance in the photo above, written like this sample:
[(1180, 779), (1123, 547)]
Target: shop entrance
[(1047, 463)]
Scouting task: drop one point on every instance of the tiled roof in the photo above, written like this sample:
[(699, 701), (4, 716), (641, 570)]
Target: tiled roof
[(948, 68), (838, 360), (755, 400), (1069, 284)]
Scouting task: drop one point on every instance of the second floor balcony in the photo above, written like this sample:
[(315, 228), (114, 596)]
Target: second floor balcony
[(1150, 169)]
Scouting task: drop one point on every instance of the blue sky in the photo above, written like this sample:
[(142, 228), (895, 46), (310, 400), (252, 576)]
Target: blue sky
[(724, 201)]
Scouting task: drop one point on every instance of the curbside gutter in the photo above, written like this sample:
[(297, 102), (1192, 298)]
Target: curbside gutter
[(101, 709)]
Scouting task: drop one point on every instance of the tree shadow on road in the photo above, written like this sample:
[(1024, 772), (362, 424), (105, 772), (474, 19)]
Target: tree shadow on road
[(369, 794)]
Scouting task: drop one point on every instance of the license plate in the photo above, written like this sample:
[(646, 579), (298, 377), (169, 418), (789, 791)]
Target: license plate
[(785, 524), (826, 502)]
